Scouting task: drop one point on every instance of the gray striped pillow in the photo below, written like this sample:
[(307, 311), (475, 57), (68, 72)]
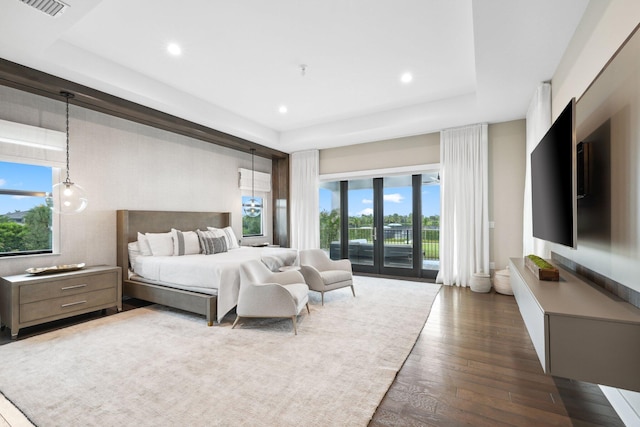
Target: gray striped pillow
[(210, 243)]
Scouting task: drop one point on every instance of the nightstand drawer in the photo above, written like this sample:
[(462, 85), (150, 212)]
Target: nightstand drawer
[(68, 304), (68, 286)]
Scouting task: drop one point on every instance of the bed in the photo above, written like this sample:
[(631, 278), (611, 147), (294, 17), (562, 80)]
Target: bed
[(203, 284)]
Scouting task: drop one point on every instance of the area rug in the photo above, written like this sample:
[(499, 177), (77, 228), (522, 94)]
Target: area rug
[(156, 366)]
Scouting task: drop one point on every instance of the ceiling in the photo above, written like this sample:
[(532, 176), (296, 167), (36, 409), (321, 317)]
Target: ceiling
[(471, 61)]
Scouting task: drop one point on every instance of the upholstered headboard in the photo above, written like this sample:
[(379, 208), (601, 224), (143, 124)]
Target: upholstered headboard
[(129, 223)]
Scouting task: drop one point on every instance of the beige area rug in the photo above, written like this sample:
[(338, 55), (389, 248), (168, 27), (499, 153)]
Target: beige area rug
[(155, 366)]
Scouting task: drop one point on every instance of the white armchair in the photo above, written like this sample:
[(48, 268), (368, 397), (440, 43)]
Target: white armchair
[(264, 293), (323, 274)]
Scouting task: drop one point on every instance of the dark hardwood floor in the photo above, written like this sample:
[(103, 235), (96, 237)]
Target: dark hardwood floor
[(475, 365)]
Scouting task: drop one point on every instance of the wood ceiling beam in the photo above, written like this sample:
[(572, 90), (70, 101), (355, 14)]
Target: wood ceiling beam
[(37, 82)]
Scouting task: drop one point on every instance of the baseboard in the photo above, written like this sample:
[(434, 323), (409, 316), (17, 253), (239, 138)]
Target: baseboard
[(629, 414)]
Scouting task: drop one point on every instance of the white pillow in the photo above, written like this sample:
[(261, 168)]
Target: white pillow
[(161, 244), (230, 236), (143, 245), (185, 242), (217, 231), (134, 252)]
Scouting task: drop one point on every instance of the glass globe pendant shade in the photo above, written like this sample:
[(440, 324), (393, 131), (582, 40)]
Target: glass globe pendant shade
[(252, 208), (68, 198)]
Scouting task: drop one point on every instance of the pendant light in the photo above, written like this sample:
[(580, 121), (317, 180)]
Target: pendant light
[(68, 198), (253, 208)]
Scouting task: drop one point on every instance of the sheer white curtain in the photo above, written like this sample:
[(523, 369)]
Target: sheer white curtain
[(538, 122), (464, 223), (305, 210)]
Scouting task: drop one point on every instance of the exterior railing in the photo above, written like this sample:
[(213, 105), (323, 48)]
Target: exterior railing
[(392, 236)]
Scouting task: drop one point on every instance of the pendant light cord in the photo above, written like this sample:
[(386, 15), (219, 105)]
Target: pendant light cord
[(67, 140), (253, 198), (67, 95)]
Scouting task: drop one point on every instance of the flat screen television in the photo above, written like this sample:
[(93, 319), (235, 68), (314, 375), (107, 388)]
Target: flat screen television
[(553, 186)]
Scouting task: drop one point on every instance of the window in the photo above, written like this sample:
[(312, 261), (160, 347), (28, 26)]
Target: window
[(329, 202), (252, 225), (25, 215)]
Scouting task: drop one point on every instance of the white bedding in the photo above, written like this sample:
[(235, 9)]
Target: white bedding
[(219, 272)]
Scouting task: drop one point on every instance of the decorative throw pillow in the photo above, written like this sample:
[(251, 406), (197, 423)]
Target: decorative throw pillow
[(211, 243), (229, 235), (143, 245), (161, 244), (185, 242)]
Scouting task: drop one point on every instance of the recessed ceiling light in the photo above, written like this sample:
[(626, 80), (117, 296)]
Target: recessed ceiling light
[(406, 78), (283, 109), (174, 49)]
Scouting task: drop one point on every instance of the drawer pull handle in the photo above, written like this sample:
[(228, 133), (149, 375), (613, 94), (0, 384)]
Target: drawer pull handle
[(73, 303), (66, 288)]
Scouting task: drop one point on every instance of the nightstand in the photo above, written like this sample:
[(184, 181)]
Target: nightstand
[(29, 300)]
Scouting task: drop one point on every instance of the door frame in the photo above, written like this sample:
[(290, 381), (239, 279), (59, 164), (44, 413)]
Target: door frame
[(378, 266)]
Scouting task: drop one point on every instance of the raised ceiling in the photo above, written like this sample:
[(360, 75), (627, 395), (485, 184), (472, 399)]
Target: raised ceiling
[(471, 61)]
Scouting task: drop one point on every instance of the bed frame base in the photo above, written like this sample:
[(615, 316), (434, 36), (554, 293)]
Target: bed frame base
[(197, 303)]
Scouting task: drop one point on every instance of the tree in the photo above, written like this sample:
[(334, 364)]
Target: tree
[(11, 235), (37, 224), (431, 221), (329, 227), (252, 226)]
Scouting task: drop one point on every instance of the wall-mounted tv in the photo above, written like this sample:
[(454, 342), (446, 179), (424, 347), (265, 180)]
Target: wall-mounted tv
[(553, 187)]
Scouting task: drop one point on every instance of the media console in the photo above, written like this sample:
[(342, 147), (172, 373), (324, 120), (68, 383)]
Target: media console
[(579, 331)]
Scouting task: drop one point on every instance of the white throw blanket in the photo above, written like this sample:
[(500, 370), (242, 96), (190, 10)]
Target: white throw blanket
[(218, 273)]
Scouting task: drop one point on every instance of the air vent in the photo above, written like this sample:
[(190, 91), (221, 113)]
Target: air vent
[(50, 7)]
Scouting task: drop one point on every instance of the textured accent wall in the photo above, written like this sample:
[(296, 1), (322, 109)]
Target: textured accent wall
[(126, 165)]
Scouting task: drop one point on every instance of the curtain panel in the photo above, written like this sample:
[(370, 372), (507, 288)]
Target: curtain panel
[(305, 207), (538, 122), (464, 223)]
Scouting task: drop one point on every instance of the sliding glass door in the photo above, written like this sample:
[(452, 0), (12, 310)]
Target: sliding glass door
[(379, 224), (430, 224), (361, 224), (397, 231)]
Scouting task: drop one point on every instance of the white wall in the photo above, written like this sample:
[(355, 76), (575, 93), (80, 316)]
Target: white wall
[(386, 154), (507, 147), (604, 27), (125, 165)]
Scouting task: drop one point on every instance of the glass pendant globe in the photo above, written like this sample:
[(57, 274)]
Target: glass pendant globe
[(252, 209), (68, 198)]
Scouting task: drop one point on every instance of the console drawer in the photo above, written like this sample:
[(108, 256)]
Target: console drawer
[(69, 286), (67, 304)]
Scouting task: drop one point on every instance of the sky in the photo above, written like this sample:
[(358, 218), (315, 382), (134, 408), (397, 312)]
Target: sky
[(397, 200), (16, 176)]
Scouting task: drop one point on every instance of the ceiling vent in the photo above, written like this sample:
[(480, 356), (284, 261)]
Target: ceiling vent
[(50, 7)]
